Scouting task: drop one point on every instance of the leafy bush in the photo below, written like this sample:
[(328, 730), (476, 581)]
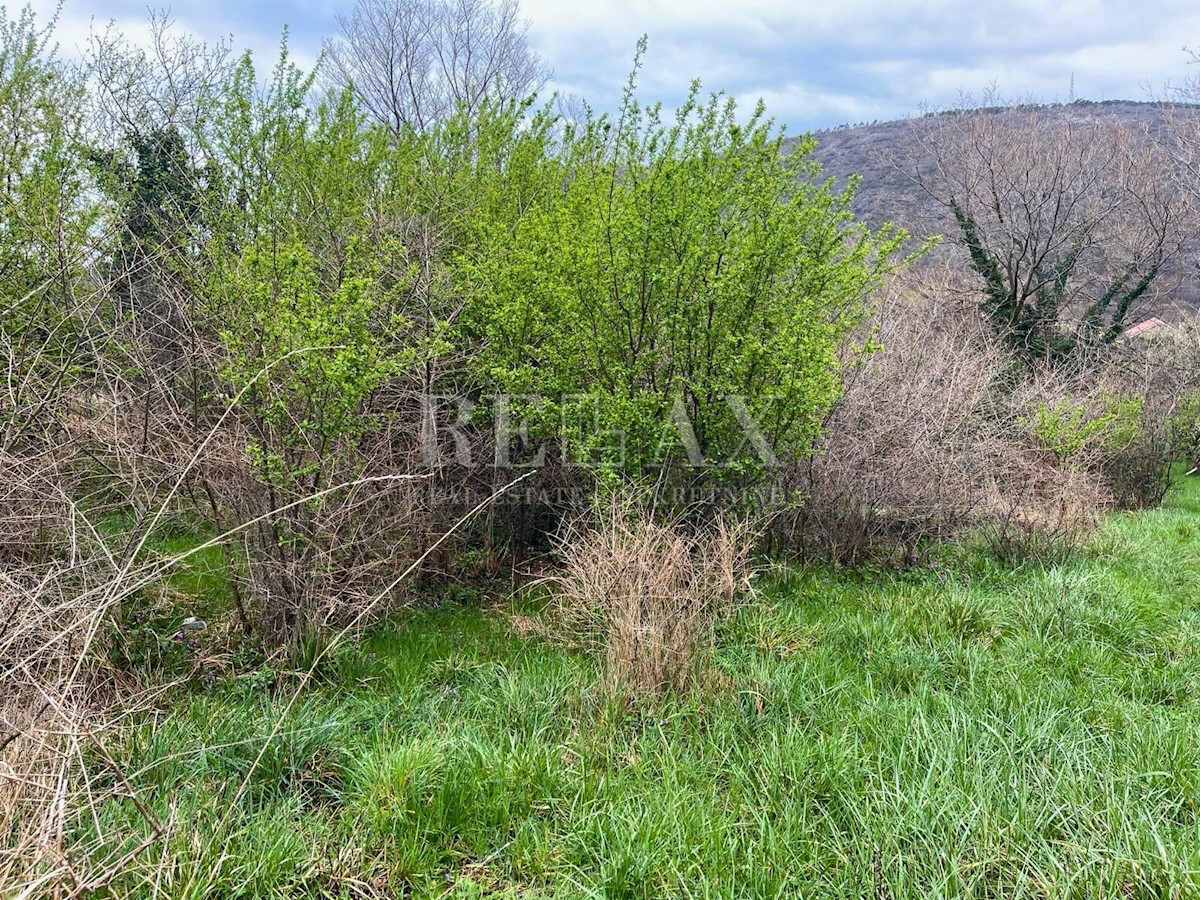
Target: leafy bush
[(1071, 428), (1185, 428), (648, 287), (1111, 425)]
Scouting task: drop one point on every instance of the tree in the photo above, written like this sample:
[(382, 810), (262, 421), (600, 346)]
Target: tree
[(1181, 108), (412, 62), (1067, 219)]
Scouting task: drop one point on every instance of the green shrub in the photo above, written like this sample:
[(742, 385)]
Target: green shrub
[(1071, 428), (648, 286), (1185, 427)]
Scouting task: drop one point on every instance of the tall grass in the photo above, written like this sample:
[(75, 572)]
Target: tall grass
[(969, 729), (648, 595)]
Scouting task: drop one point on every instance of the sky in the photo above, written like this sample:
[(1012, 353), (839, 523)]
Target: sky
[(816, 63)]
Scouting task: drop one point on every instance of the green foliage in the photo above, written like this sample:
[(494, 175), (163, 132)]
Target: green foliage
[(158, 189), (649, 291), (46, 220), (303, 360), (641, 278), (1071, 428), (42, 199), (999, 301), (310, 299), (1185, 427)]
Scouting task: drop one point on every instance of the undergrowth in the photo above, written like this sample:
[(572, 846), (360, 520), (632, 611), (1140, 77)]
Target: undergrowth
[(967, 729)]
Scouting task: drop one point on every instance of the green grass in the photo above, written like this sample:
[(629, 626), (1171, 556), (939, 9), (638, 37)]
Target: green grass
[(141, 640), (970, 730)]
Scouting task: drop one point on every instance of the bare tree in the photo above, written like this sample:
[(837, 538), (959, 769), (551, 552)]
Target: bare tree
[(1181, 110), (134, 90), (1069, 219), (412, 62)]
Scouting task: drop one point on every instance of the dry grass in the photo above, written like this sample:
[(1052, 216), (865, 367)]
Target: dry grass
[(51, 701), (649, 595)]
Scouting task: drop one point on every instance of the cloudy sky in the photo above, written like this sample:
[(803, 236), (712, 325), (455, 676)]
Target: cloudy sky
[(817, 63)]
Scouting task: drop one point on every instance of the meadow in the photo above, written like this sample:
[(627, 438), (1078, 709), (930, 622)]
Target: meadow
[(471, 491), (959, 728)]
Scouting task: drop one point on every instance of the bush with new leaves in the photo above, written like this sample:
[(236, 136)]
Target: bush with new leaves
[(665, 293)]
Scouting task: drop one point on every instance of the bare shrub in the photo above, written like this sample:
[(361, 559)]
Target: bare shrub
[(1137, 472), (35, 765), (1035, 509), (32, 507), (937, 435), (307, 567), (55, 693), (1082, 440), (61, 700), (904, 451), (649, 595), (1165, 365)]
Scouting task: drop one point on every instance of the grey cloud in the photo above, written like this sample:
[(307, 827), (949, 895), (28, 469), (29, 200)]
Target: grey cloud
[(816, 63)]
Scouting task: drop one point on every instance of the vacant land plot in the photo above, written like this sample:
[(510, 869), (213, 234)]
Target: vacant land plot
[(961, 729)]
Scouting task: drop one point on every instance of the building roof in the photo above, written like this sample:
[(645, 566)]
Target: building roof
[(1142, 327)]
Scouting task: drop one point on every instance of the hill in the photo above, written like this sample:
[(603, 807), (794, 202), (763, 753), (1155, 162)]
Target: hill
[(884, 154)]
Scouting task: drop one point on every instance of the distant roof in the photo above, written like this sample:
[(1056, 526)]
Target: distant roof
[(1143, 326)]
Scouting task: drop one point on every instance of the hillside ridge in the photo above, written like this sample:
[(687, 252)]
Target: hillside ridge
[(882, 154)]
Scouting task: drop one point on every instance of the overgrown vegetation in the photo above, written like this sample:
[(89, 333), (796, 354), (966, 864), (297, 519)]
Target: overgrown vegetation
[(283, 359), (967, 729)]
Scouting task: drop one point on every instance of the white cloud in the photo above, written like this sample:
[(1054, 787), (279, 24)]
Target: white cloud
[(827, 106), (77, 20), (815, 62)]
